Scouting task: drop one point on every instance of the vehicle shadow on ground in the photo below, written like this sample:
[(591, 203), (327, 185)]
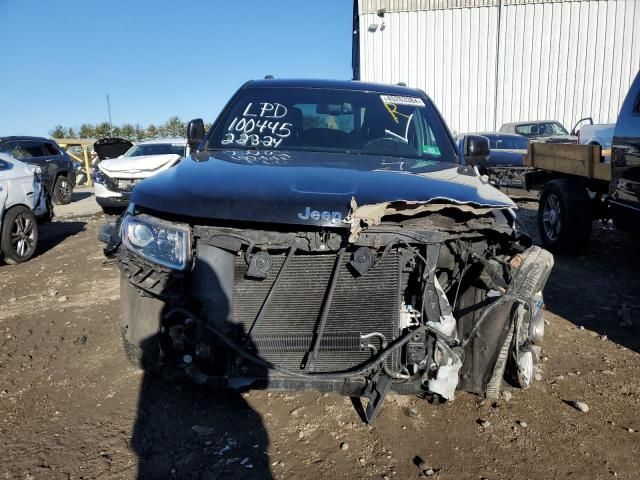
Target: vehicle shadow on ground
[(597, 288), (53, 233), (77, 196), (189, 431), (186, 431)]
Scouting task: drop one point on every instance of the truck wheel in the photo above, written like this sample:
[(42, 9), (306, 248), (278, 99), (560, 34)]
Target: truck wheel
[(62, 190), (564, 216), (19, 236)]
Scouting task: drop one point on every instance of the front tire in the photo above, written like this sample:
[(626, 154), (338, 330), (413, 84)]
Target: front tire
[(19, 235), (62, 190), (564, 216)]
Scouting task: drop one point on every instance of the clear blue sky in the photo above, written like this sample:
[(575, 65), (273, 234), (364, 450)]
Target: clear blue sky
[(156, 58)]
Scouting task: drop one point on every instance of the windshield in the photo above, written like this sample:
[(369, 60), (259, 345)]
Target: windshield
[(540, 129), (507, 142), (329, 120), (156, 149)]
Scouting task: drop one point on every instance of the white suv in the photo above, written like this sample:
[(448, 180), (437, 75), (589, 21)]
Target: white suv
[(115, 178), (22, 199)]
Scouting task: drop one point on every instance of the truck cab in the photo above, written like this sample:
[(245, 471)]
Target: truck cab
[(625, 182)]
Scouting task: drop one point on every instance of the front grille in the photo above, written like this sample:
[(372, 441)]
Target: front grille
[(126, 185), (361, 305)]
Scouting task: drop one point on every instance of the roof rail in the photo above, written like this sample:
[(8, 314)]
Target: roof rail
[(269, 77)]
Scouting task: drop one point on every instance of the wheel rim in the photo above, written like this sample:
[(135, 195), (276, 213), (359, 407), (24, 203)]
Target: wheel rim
[(23, 235), (64, 191), (551, 219)]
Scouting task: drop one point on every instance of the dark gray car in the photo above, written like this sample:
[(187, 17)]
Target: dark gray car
[(57, 167)]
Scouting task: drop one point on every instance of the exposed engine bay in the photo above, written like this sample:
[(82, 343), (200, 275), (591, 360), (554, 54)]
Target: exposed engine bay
[(417, 299)]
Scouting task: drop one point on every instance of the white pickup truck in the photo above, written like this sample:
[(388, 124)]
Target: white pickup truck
[(597, 134)]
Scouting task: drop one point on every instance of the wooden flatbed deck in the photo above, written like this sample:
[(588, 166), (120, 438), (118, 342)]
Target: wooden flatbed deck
[(580, 160)]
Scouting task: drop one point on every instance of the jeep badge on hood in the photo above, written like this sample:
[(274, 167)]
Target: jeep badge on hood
[(320, 215)]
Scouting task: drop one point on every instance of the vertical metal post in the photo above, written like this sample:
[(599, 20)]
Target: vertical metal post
[(87, 165), (109, 110), (497, 71)]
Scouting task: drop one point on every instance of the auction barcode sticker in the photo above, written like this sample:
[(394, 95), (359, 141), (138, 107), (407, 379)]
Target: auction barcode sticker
[(401, 100)]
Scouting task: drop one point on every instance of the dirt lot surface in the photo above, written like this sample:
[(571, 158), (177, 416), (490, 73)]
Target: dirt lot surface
[(71, 407)]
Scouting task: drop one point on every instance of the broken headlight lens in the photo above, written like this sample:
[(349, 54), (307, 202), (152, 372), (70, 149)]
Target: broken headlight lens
[(158, 241), (99, 177)]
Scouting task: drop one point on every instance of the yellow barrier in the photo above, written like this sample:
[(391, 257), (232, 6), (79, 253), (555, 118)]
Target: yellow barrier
[(84, 144)]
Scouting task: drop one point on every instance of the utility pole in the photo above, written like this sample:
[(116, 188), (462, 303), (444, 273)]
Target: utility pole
[(109, 110)]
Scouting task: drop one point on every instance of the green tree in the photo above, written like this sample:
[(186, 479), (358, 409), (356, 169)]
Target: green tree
[(207, 126), (71, 133), (87, 130), (152, 131), (174, 127), (161, 131), (139, 133), (58, 132), (102, 130), (127, 131)]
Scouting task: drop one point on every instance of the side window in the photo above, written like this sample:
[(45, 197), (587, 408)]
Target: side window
[(33, 149), (8, 147), (51, 150), (15, 150)]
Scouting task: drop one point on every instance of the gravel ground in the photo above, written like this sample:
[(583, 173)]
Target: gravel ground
[(71, 407), (83, 204)]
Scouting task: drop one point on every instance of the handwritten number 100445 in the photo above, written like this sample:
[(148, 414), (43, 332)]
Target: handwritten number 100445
[(250, 128)]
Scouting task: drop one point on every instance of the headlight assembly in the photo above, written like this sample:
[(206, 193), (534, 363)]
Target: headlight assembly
[(158, 241), (99, 176)]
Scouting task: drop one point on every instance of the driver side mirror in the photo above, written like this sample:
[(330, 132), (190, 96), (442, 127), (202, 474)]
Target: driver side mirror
[(195, 133), (475, 148)]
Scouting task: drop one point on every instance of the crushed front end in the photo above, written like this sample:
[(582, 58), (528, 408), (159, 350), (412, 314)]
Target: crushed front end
[(416, 299)]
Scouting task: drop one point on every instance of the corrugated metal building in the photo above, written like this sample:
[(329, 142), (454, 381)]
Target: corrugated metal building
[(488, 62)]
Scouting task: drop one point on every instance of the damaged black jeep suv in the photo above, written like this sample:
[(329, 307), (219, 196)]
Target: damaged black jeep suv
[(329, 235)]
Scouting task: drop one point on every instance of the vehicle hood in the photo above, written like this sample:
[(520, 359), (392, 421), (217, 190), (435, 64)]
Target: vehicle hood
[(556, 139), (506, 158), (305, 188), (111, 147), (137, 167)]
